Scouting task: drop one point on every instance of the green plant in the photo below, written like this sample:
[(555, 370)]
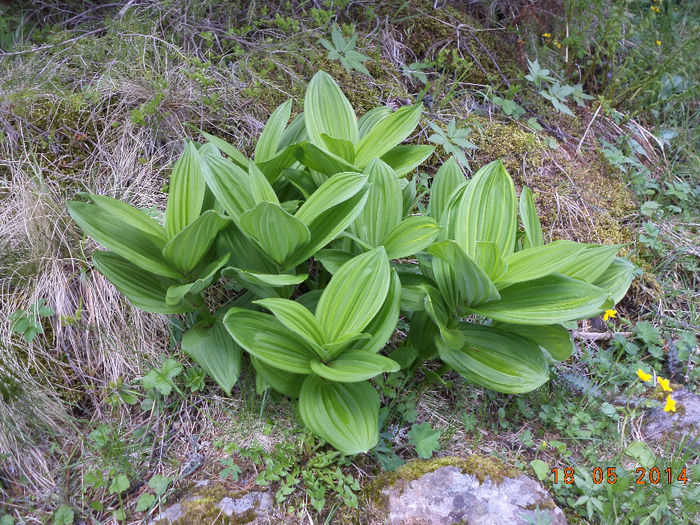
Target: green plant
[(344, 50), (28, 322), (453, 140), (415, 71)]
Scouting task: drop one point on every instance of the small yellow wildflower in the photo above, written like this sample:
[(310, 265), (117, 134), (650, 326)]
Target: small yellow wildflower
[(643, 375), (670, 404), (664, 384), (609, 314), (557, 44), (547, 35), (658, 42)]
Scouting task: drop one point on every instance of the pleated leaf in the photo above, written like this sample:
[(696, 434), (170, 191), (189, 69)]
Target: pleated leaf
[(342, 148), (447, 179), (133, 217), (372, 118), (236, 156), (287, 383), (326, 110), (536, 262), (265, 285), (321, 160), (485, 210), (466, 281), (144, 290), (229, 183), (269, 140), (277, 232), (530, 220), (274, 167), (404, 159), (436, 310), (617, 278), (260, 188), (337, 189), (354, 295), (383, 210), (497, 360), (410, 236), (591, 263), (490, 260), (332, 259), (244, 252), (124, 239), (346, 415), (188, 247), (387, 133), (382, 326), (187, 190), (554, 338), (295, 317), (551, 299), (354, 366), (295, 132), (177, 293), (212, 348), (265, 338)]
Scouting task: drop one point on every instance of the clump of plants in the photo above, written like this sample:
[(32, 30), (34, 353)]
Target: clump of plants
[(317, 238)]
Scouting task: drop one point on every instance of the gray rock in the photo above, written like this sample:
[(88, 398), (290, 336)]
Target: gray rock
[(211, 502), (449, 495), (684, 423)]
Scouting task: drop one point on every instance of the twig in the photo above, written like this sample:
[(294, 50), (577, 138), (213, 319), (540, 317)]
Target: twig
[(580, 143), (599, 336), (42, 48)]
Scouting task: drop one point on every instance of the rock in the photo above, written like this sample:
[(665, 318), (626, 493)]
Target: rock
[(684, 423), (473, 491), (211, 503)]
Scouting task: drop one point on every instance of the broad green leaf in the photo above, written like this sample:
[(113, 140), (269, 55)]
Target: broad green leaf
[(260, 188), (301, 180), (592, 262), (437, 311), (274, 167), (188, 247), (335, 190), (177, 293), (447, 179), (463, 278), (133, 217), (530, 219), (322, 161), (404, 159), (277, 232), (413, 292), (387, 133), (484, 209), (235, 155), (354, 366), (229, 183), (267, 279), (265, 338), (410, 236), (121, 237), (488, 258), (422, 334), (536, 262), (287, 383), (346, 415), (342, 148), (408, 194), (617, 278), (351, 343), (244, 252), (269, 140), (551, 299), (332, 259), (372, 118), (144, 290), (295, 133), (295, 317), (354, 295), (554, 338), (496, 359), (424, 439), (383, 210), (212, 348), (382, 327), (186, 193), (326, 110)]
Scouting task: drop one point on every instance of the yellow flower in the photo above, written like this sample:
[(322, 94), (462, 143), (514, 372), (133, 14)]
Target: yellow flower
[(609, 314), (670, 404), (658, 42), (643, 375), (664, 384), (547, 35)]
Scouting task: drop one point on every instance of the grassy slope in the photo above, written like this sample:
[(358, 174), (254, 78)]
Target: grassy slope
[(107, 110)]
